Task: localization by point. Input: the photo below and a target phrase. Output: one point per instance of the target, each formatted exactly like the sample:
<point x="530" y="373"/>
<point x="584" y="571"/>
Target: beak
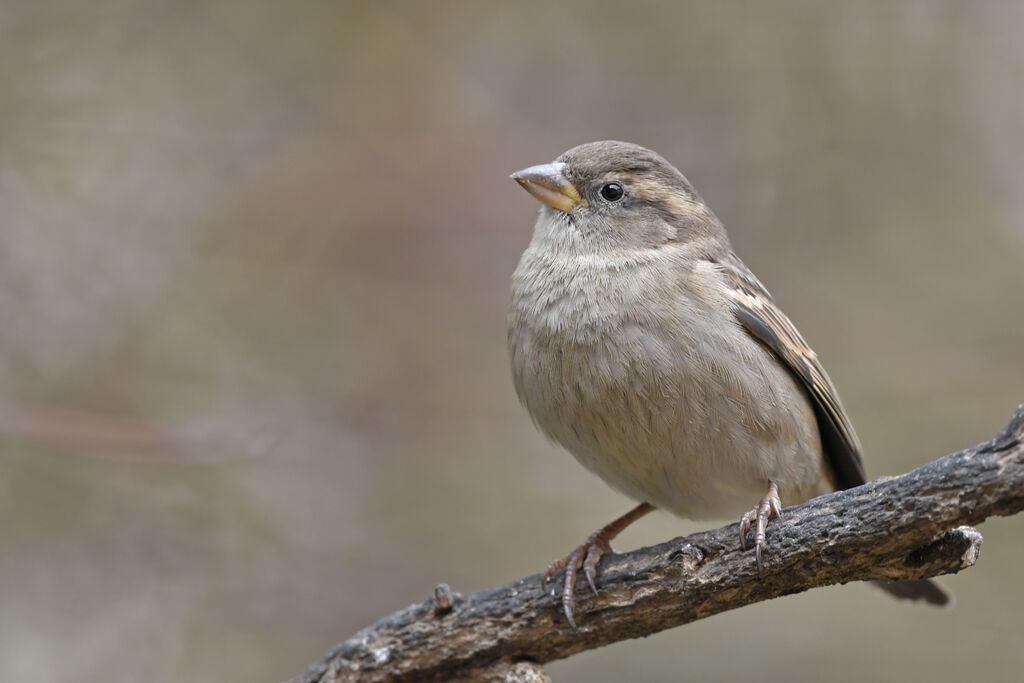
<point x="549" y="185"/>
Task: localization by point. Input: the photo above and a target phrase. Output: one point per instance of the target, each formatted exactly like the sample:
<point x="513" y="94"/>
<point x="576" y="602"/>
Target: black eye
<point x="612" y="192"/>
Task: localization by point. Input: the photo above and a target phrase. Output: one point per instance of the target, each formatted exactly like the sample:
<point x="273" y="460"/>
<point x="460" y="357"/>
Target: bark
<point x="906" y="527"/>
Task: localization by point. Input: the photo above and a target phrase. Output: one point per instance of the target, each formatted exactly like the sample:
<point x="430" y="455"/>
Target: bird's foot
<point x="586" y="558"/>
<point x="769" y="505"/>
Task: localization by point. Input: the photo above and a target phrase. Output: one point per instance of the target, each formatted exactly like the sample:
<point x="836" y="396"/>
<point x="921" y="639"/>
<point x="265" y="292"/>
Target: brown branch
<point x="902" y="527"/>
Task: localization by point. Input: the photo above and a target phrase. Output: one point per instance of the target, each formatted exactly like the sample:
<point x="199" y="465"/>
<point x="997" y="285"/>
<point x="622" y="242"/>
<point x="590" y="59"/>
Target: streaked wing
<point x="757" y="312"/>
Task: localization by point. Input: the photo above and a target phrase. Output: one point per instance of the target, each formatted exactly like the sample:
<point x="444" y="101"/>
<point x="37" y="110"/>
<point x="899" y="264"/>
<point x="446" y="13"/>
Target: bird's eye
<point x="612" y="192"/>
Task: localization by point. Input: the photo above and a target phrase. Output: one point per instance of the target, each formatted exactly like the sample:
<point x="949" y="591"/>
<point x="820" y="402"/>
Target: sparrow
<point x="646" y="348"/>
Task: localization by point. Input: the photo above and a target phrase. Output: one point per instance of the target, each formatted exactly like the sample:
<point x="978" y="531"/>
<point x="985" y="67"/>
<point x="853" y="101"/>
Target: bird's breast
<point x="651" y="386"/>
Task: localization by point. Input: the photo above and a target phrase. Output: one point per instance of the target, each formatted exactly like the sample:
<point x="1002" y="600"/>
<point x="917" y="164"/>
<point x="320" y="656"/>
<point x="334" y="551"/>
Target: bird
<point x="642" y="344"/>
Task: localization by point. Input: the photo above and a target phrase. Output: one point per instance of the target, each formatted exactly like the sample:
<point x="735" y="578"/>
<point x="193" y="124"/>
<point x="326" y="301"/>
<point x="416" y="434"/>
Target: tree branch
<point x="904" y="527"/>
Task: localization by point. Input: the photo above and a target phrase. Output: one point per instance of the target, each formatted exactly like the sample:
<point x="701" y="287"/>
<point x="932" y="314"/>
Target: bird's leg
<point x="587" y="556"/>
<point x="769" y="505"/>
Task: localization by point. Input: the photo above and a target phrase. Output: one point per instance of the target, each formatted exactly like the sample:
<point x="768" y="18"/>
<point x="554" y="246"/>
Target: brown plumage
<point x="642" y="344"/>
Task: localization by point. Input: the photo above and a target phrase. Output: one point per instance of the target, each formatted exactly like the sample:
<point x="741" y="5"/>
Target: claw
<point x="769" y="505"/>
<point x="587" y="557"/>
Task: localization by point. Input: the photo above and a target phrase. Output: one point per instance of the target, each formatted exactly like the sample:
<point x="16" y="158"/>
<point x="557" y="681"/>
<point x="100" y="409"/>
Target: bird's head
<point x="606" y="196"/>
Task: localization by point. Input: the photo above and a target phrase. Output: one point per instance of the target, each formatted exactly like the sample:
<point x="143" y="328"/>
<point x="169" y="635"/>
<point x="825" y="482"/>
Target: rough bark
<point x="905" y="527"/>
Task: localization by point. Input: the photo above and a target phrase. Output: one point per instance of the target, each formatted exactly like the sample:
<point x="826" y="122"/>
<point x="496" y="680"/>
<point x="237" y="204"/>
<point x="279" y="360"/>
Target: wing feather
<point x="761" y="317"/>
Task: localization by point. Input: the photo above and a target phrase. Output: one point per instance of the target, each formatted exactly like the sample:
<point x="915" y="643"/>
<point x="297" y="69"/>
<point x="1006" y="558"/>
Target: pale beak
<point x="548" y="184"/>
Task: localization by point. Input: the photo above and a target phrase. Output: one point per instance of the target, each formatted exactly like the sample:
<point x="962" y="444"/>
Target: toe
<point x="745" y="521"/>
<point x="585" y="558"/>
<point x="769" y="506"/>
<point x="573" y="563"/>
<point x="551" y="571"/>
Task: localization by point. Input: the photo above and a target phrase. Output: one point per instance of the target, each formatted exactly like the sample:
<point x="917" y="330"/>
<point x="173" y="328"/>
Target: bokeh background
<point x="254" y="260"/>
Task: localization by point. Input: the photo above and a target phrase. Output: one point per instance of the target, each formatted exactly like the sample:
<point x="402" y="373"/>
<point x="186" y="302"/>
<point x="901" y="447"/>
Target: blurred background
<point x="254" y="262"/>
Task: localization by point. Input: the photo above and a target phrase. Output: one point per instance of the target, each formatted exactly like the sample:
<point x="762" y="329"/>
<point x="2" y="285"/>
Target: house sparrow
<point x="642" y="344"/>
